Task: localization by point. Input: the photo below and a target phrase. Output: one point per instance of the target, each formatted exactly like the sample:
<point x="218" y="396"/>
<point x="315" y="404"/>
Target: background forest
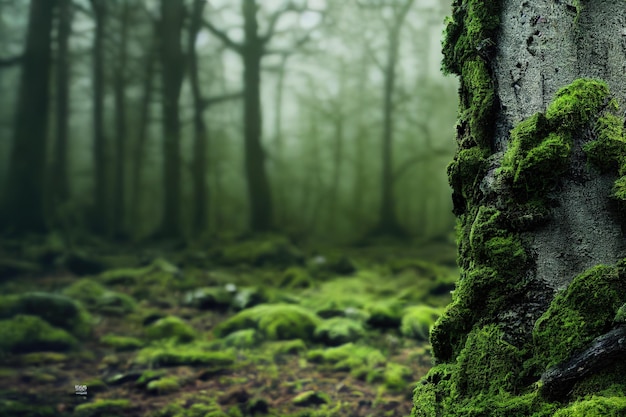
<point x="132" y="119"/>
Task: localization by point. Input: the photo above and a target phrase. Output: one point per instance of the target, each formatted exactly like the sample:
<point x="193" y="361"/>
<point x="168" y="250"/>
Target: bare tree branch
<point x="221" y="35"/>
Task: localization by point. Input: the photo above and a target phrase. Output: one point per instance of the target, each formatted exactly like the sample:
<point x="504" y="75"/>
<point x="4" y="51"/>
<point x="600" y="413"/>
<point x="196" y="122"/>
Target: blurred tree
<point x="252" y="50"/>
<point x="172" y="66"/>
<point x="24" y="211"/>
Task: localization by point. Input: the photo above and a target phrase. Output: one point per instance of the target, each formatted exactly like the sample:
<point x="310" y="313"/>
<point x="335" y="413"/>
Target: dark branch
<point x="208" y="102"/>
<point x="605" y="350"/>
<point x="221" y="35"/>
<point x="8" y="62"/>
<point x="297" y="44"/>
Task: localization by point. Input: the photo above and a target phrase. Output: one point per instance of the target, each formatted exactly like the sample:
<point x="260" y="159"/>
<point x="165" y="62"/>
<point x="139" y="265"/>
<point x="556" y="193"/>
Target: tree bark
<point x="172" y="15"/>
<point x="24" y="203"/>
<point x="100" y="220"/>
<point x="539" y="196"/>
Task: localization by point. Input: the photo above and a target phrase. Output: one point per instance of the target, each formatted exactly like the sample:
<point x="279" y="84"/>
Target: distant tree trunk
<point x="25" y="211"/>
<point x="172" y="15"/>
<point x="536" y="326"/>
<point x="338" y="157"/>
<point x="119" y="194"/>
<point x="60" y="164"/>
<point x="101" y="220"/>
<point x="200" y="140"/>
<point x="388" y="220"/>
<point x="142" y="134"/>
<point x="278" y="156"/>
<point x="259" y="194"/>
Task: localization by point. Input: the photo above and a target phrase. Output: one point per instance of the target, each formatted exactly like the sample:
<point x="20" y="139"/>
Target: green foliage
<point x="338" y="330"/>
<point x="22" y="334"/>
<point x="97" y="298"/>
<point x="358" y="359"/>
<point x="396" y="377"/>
<point x="595" y="406"/>
<point x="165" y="385"/>
<point x="273" y="321"/>
<point x="242" y="339"/>
<point x="296" y="277"/>
<point x="608" y="151"/>
<point x="173" y="328"/>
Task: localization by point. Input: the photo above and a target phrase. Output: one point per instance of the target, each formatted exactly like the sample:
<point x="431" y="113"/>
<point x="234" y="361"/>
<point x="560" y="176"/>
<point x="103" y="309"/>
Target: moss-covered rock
<point x="58" y="310"/>
<point x="359" y="360"/>
<point x="242" y="339"/>
<point x="417" y="321"/>
<point x="173" y="328"/>
<point x="165" y="385"/>
<point x="22" y="334"/>
<point x="98" y="299"/>
<point x="260" y="251"/>
<point x="211" y="298"/>
<point x="338" y="331"/>
<point x="273" y="322"/>
<point x="249" y="297"/>
<point x="385" y="314"/>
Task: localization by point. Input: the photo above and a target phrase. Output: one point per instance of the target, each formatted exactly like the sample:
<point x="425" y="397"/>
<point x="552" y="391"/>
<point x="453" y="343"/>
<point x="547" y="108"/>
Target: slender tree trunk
<point x="337" y="169"/>
<point x="200" y="140"/>
<point x="172" y="14"/>
<point x="536" y="327"/>
<point x="100" y="220"/>
<point x="24" y="211"/>
<point x="119" y="194"/>
<point x="60" y="171"/>
<point x="278" y="157"/>
<point x="144" y="123"/>
<point x="259" y="194"/>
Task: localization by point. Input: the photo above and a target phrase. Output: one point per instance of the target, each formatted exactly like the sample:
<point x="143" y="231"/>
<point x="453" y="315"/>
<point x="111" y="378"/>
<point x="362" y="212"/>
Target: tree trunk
<point x="541" y="208"/>
<point x="144" y="122"/>
<point x="100" y="220"/>
<point x="172" y="14"/>
<point x="60" y="171"/>
<point x="119" y="194"/>
<point x="259" y="194"/>
<point x="200" y="145"/>
<point x="280" y="211"/>
<point x="24" y="205"/>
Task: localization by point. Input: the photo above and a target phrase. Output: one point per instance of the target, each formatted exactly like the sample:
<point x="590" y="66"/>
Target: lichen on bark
<point x="506" y="326"/>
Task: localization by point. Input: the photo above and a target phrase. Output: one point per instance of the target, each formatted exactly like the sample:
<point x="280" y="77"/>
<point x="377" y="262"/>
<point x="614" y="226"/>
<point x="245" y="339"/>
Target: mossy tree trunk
<point x="539" y="192"/>
<point x="24" y="211"/>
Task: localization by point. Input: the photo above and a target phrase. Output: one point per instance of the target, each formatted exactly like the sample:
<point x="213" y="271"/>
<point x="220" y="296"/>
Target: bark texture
<point x="539" y="188"/>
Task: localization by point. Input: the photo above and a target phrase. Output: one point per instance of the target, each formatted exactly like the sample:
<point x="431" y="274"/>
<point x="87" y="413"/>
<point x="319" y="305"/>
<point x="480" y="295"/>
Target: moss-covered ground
<point x="237" y="328"/>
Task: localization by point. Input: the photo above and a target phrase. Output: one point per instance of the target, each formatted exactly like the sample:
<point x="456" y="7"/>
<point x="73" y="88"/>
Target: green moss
<point x="102" y="408"/>
<point x="579" y="314"/>
<point x="179" y="356"/>
<point x="595" y="406"/>
<point x="396" y="377"/>
<point x="249" y="297"/>
<point x="358" y="359"/>
<point x="607" y="152"/>
<point x="481" y="100"/>
<point x="417" y="321"/>
<point x="311" y="397"/>
<point x="296" y="277"/>
<point x="173" y="328"/>
<point x="286" y="347"/>
<point x="99" y="299"/>
<point x="242" y="339"/>
<point x="210" y="298"/>
<point x="165" y="385"/>
<point x="338" y="330"/>
<point x="273" y="321"/>
<point x="121" y="343"/>
<point x="619" y="189"/>
<point x="22" y="334"/>
<point x="575" y="104"/>
<point x="260" y="251"/>
<point x="386" y="314"/>
<point x="466" y="171"/>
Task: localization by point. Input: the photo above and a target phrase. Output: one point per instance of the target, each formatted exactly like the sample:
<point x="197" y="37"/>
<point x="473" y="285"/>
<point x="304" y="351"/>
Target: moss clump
<point x="121" y="343"/>
<point x="308" y="398"/>
<point x="361" y="361"/>
<point x="165" y="385"/>
<point x="396" y="377"/>
<point x="286" y="347"/>
<point x="338" y="330"/>
<point x="296" y="277"/>
<point x="99" y="299"/>
<point x="177" y="356"/>
<point x="575" y="104"/>
<point x="249" y="297"/>
<point x="417" y="321"/>
<point x="385" y="314"/>
<point x="102" y="408"/>
<point x="173" y="328"/>
<point x="261" y="251"/>
<point x="273" y="321"/>
<point x="22" y="334"/>
<point x="210" y="298"/>
<point x="607" y="152"/>
<point x="466" y="171"/>
<point x="595" y="406"/>
<point x="242" y="339"/>
<point x="583" y="311"/>
<point x="58" y="310"/>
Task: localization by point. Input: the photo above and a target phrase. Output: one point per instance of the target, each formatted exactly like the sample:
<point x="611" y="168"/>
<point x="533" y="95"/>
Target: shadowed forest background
<point x="222" y="208"/>
<point x="132" y="119"/>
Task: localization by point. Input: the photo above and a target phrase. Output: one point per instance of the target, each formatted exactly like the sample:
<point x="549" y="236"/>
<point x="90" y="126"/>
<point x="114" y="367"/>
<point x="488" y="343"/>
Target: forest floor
<point x="245" y="328"/>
